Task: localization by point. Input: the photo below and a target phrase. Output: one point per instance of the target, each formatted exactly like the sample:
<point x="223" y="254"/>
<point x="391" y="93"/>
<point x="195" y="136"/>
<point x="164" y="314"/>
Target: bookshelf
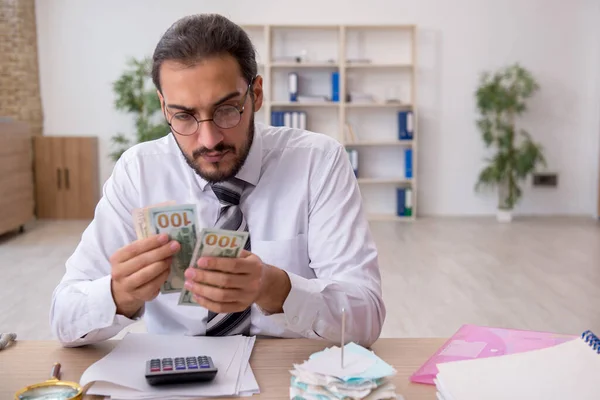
<point x="376" y="66"/>
<point x="379" y="105"/>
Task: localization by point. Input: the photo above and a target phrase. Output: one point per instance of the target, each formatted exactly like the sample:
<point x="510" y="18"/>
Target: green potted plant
<point x="136" y="94"/>
<point x="501" y="99"/>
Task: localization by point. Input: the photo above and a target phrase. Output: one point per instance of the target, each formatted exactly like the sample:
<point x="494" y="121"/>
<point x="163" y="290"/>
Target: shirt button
<point x="295" y="320"/>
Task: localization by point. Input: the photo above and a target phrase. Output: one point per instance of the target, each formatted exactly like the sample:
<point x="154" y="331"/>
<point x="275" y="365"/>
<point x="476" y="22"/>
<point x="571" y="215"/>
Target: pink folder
<point x="472" y="341"/>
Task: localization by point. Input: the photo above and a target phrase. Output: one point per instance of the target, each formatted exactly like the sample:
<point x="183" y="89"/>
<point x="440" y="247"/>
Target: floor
<point x="535" y="273"/>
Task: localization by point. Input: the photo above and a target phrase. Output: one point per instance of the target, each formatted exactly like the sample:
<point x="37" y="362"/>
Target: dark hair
<point x="199" y="36"/>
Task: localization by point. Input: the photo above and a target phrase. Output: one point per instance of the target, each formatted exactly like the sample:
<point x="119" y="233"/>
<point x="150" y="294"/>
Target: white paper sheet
<point x="120" y="374"/>
<point x="568" y="370"/>
<point x="329" y="363"/>
<point x="248" y="388"/>
<point x="246" y="361"/>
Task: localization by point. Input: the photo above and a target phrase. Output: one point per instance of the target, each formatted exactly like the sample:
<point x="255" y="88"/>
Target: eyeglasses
<point x="225" y="116"/>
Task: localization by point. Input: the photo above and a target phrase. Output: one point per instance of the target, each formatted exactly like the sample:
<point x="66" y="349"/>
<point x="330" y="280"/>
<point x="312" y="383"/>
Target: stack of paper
<point x="566" y="371"/>
<point x="363" y="375"/>
<point x="121" y="373"/>
<point x="472" y="342"/>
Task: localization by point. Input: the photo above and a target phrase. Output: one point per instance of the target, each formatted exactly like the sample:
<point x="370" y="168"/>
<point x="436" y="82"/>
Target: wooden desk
<point x="28" y="362"/>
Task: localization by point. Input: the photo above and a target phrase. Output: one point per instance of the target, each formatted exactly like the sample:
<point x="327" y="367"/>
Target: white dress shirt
<point x="305" y="216"/>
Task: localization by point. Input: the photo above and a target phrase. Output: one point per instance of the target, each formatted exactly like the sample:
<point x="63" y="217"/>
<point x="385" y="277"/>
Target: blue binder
<point x="277" y="118"/>
<point x="405" y="125"/>
<point x="353" y="155"/>
<point x="335" y="86"/>
<point x="400" y="202"/>
<point x="408" y="171"/>
<point x="274" y="118"/>
<point x="293" y="86"/>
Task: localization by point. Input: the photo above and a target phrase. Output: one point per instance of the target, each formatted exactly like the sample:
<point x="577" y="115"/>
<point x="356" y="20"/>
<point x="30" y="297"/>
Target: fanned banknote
<point x="140" y="219"/>
<point x="214" y="243"/>
<point x="180" y="223"/>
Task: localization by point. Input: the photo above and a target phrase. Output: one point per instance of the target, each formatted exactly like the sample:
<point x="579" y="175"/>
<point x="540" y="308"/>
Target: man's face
<point x="215" y="153"/>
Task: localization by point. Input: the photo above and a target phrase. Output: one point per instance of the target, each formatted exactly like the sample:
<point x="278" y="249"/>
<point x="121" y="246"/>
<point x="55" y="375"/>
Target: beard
<point x="221" y="171"/>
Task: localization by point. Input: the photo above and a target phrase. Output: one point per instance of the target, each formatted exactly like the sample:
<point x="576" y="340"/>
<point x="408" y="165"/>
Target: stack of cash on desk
<point x="363" y="375"/>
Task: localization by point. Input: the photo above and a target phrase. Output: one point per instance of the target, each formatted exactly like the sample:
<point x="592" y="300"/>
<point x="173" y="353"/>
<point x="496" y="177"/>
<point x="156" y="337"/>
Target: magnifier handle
<point x="55" y="374"/>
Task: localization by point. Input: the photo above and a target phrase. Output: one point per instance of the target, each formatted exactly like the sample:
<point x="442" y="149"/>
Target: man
<point x="311" y="252"/>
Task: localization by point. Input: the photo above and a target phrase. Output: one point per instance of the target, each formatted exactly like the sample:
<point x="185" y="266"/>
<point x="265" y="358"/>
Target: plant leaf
<point x="135" y="94"/>
<point x="500" y="98"/>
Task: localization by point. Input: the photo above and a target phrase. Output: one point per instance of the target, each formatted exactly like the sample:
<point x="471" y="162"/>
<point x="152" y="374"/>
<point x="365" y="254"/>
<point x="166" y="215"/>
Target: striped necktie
<point x="231" y="218"/>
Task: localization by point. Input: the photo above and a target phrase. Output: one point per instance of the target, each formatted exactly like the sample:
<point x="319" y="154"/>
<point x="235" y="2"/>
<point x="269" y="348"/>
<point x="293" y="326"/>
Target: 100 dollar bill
<point x="180" y="223"/>
<point x="214" y="243"/>
<point x="140" y="219"/>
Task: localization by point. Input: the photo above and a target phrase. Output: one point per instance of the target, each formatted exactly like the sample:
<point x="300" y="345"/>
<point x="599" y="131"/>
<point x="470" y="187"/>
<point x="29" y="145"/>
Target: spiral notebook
<point x="569" y="370"/>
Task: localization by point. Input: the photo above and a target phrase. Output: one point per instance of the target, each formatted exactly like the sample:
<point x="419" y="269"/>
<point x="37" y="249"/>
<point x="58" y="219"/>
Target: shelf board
<point x="389" y="217"/>
<point x="297" y="104"/>
<point x="402" y="106"/>
<point x="373" y="143"/>
<point x="329" y="26"/>
<point x="382" y="26"/>
<point x="378" y="65"/>
<point x="306" y="27"/>
<point x="304" y="65"/>
<point x="384" y="180"/>
<point x="252" y="26"/>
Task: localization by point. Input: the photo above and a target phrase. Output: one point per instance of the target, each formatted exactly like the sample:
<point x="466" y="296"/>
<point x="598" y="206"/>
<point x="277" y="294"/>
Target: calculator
<point x="161" y="371"/>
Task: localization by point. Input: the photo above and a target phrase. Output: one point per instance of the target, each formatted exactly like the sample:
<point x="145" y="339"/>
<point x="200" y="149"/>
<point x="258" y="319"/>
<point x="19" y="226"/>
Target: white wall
<point x="83" y="45"/>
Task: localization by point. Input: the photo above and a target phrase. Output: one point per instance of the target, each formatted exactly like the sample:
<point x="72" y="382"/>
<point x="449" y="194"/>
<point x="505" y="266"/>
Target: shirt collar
<point x="250" y="171"/>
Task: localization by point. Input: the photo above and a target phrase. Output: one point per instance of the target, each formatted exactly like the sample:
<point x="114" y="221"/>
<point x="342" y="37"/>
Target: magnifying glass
<point x="52" y="389"/>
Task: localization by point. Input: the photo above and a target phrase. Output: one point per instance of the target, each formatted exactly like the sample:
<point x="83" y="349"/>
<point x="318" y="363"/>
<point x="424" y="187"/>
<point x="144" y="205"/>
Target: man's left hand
<point x="226" y="285"/>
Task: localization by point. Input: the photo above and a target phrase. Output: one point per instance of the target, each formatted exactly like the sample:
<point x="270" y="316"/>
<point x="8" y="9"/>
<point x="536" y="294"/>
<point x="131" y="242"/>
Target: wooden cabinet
<point x="66" y="177"/>
<point x="16" y="177"/>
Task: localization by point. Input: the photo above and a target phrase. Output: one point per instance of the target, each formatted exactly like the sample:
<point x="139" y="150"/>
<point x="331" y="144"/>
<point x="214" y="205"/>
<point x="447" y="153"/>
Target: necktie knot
<point x="229" y="192"/>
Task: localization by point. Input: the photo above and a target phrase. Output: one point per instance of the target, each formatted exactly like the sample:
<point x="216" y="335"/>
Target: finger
<point x="146" y="275"/>
<point x="224" y="264"/>
<point x="214" y="293"/>
<point x="138" y="247"/>
<point x="245" y="254"/>
<point x="151" y="289"/>
<point x="159" y="254"/>
<point x="220" y="307"/>
<point x="216" y="278"/>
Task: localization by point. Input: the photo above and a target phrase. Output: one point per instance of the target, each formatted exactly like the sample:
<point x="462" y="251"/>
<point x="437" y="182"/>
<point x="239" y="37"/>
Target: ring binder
<point x="592" y="340"/>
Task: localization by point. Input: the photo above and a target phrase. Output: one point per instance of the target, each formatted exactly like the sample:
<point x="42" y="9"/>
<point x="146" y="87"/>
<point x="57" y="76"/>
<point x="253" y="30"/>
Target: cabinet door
<point x="80" y="177"/>
<point x="16" y="180"/>
<point x="49" y="181"/>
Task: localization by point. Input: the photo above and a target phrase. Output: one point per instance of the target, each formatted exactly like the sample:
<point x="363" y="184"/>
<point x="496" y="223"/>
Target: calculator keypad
<point x="179" y="364"/>
<point x="154" y="365"/>
<point x="203" y="362"/>
<point x="191" y="363"/>
<point x="167" y="364"/>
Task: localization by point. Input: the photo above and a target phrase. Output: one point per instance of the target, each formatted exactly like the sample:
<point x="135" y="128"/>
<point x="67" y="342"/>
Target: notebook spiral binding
<point x="592" y="340"/>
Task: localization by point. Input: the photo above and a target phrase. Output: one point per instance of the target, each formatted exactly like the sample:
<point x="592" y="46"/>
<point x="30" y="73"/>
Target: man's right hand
<point x="138" y="270"/>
